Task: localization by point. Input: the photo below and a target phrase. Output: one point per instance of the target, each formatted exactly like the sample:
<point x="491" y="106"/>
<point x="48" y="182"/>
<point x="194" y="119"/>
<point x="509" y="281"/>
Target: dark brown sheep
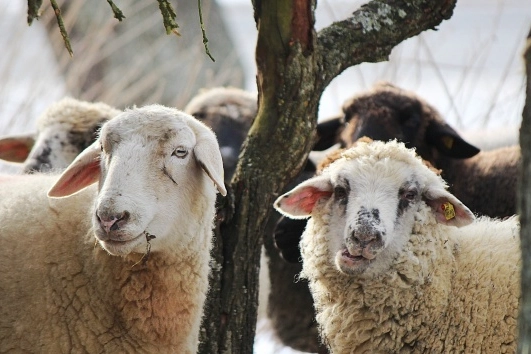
<point x="229" y="111"/>
<point x="388" y="112"/>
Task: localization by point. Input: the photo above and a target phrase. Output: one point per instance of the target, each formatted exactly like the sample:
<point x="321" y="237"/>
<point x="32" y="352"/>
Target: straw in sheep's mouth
<point x="149" y="237"/>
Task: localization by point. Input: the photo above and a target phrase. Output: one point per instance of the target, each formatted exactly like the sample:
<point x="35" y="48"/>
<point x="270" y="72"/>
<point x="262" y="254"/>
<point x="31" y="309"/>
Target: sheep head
<point x="388" y="112"/>
<point x="155" y="167"/>
<point x="64" y="129"/>
<point x="369" y="199"/>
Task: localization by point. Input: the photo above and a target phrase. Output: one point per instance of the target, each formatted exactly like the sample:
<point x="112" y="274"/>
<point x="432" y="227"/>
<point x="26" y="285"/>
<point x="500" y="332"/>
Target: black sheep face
<point x="388" y="112"/>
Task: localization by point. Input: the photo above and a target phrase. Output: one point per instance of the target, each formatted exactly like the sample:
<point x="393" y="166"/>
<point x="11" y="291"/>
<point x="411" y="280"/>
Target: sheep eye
<point x="180" y="152"/>
<point x="340" y="192"/>
<point x="410" y="195"/>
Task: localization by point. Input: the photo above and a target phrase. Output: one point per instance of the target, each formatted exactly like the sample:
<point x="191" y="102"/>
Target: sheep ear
<point x="448" y="209"/>
<point x="82" y="172"/>
<point x="448" y="142"/>
<point x="300" y="201"/>
<point x="16" y="148"/>
<point x="207" y="153"/>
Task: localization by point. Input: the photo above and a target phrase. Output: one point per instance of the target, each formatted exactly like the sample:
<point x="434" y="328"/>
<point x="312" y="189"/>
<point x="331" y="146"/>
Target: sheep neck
<point x="155" y="301"/>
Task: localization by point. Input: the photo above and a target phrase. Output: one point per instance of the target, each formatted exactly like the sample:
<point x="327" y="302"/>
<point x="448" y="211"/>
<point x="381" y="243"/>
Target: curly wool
<point x="81" y="116"/>
<point x="450" y="289"/>
<point x="77" y="298"/>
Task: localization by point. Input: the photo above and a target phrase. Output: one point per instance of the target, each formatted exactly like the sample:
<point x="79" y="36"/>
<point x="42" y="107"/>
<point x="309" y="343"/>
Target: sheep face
<point x="65" y="129"/>
<point x="229" y="112"/>
<point x="57" y="145"/>
<point x="368" y="201"/>
<point x="388" y="112"/>
<point x="149" y="158"/>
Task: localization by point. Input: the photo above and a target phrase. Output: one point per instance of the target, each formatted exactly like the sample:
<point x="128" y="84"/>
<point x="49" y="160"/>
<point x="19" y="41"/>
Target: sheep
<point x="229" y="111"/>
<point x="388" y="112"/>
<point x="384" y="113"/>
<point x="141" y="288"/>
<point x="64" y="129"/>
<point x="398" y="264"/>
<point x="493" y="138"/>
<point x="289" y="319"/>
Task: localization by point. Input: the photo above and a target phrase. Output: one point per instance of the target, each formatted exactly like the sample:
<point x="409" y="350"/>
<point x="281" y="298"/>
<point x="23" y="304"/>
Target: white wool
<point x="390" y="273"/>
<point x="70" y="286"/>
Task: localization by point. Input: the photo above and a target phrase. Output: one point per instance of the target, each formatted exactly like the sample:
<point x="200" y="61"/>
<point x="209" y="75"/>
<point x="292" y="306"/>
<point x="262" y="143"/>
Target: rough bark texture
<point x="294" y="67"/>
<point x="524" y="209"/>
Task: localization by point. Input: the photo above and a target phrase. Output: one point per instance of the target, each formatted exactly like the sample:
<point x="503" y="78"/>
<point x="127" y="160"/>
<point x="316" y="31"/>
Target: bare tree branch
<point x="168" y="17"/>
<point x="375" y="29"/>
<point x="294" y="68"/>
<point x="33" y="10"/>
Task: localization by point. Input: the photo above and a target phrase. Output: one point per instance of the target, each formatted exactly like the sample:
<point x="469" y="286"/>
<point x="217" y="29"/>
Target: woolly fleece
<point x="449" y="290"/>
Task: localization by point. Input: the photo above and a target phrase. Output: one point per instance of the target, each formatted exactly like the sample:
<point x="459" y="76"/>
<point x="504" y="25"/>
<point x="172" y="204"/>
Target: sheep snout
<point x="112" y="222"/>
<point x="365" y="244"/>
<point x="362" y="244"/>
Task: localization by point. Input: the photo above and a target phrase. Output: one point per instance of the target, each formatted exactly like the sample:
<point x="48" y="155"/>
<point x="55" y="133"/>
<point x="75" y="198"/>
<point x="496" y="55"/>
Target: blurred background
<point x="470" y="69"/>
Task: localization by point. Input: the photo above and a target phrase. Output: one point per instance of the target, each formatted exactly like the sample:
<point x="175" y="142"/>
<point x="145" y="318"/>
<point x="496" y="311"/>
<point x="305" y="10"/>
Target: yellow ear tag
<point x="448" y="141"/>
<point x="449" y="211"/>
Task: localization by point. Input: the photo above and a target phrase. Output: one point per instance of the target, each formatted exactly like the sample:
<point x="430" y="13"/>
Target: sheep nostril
<point x="364" y="238"/>
<point x="112" y="222"/>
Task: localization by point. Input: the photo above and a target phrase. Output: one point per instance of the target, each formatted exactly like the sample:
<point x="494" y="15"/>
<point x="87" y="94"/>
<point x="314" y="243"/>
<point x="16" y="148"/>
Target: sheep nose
<point x="112" y="222"/>
<point x="365" y="237"/>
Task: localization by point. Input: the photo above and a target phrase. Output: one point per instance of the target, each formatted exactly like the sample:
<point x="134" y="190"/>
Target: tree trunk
<point x="524" y="210"/>
<point x="295" y="64"/>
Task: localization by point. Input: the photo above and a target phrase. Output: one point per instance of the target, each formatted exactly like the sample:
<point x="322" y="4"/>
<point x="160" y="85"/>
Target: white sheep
<point x="392" y="266"/>
<point x="64" y="129"/>
<point x="143" y="289"/>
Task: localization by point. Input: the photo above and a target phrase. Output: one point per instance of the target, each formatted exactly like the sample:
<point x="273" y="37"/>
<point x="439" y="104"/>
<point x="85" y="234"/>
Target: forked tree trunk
<point x="295" y="64"/>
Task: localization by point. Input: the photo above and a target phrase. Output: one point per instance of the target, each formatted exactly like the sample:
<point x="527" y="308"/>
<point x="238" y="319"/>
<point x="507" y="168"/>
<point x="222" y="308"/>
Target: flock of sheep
<point x="107" y="235"/>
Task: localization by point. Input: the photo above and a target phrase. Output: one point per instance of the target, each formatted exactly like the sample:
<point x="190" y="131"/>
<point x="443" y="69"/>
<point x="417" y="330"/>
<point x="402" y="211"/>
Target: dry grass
<point x="134" y="61"/>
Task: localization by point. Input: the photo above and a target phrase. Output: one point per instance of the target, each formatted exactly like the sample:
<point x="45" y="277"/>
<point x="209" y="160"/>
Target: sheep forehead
<point x="151" y="124"/>
<point x="222" y="96"/>
<point x="374" y="166"/>
<point x="364" y="152"/>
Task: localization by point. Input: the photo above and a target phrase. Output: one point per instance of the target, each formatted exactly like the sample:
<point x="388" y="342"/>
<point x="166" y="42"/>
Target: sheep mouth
<point x="363" y="255"/>
<point x="356" y="259"/>
<point x="119" y="241"/>
<point x="121" y="246"/>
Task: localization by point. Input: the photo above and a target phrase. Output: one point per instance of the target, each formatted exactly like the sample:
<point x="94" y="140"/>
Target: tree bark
<point x="295" y="64"/>
<point x="524" y="210"/>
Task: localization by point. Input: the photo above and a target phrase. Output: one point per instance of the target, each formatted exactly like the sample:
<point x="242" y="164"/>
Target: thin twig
<point x="118" y="14"/>
<point x="145" y="257"/>
<point x="33" y="10"/>
<point x="168" y="17"/>
<point x="203" y="32"/>
<point x="62" y="28"/>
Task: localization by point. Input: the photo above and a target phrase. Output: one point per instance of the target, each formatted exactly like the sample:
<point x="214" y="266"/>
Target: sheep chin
<point x="350" y="264"/>
<point x="123" y="248"/>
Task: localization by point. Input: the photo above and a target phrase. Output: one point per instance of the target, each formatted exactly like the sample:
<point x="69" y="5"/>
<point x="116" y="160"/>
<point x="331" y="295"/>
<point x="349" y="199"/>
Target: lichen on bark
<point x="295" y="65"/>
